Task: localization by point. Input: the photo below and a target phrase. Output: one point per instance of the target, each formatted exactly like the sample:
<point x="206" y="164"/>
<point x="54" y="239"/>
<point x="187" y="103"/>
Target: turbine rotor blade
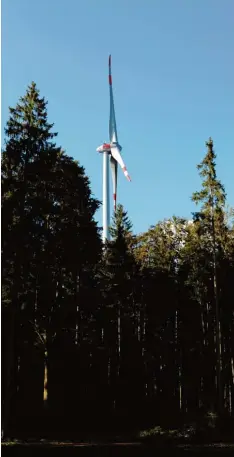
<point x="114" y="171"/>
<point x="112" y="121"/>
<point x="115" y="152"/>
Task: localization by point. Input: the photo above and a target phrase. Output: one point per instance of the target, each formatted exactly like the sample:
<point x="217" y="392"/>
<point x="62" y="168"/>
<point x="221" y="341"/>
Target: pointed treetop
<point x="120" y="222"/>
<point x="29" y="114"/>
<point x="211" y="198"/>
<point x="212" y="189"/>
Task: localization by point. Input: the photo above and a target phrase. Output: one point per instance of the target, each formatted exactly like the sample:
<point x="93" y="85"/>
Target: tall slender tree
<point x="50" y="244"/>
<point x="28" y="154"/>
<point x="213" y="231"/>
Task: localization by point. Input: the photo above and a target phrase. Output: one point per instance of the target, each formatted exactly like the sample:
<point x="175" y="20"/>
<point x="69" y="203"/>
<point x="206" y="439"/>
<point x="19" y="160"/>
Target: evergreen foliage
<point x="137" y="334"/>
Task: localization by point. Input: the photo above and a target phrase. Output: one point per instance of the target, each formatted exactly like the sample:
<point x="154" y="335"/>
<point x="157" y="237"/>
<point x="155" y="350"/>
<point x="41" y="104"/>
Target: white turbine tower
<point x="111" y="152"/>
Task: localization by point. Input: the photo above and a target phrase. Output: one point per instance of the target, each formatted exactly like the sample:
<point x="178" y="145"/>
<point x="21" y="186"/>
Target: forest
<point x="130" y="335"/>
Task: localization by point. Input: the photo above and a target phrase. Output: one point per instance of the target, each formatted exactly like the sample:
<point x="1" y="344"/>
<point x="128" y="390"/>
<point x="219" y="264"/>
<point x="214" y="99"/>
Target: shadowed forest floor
<point x="159" y="441"/>
<point x="62" y="449"/>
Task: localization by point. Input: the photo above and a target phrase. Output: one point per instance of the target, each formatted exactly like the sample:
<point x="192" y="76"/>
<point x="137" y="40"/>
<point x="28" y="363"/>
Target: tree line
<point x="137" y="332"/>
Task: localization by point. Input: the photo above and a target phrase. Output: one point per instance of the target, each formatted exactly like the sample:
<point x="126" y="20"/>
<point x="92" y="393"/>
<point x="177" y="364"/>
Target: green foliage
<point x="160" y="246"/>
<point x="51" y="243"/>
<point x="130" y="330"/>
<point x="212" y="198"/>
<point x="120" y="223"/>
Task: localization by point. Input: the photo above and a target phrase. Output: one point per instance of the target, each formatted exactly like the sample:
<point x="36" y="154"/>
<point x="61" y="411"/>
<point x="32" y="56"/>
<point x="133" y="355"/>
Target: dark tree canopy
<point x="133" y="334"/>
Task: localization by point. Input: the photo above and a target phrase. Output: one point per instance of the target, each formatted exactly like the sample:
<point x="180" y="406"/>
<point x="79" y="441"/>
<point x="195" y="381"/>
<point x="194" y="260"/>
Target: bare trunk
<point x="231" y="395"/>
<point x="45" y="382"/>
<point x="232" y="366"/>
<point x="78" y="311"/>
<point x="119" y="332"/>
<point x="45" y="377"/>
<point x="8" y="372"/>
<point x="218" y="330"/>
<point x="118" y="328"/>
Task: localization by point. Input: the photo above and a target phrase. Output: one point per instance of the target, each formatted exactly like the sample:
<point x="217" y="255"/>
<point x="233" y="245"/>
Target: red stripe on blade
<point x="110" y="80"/>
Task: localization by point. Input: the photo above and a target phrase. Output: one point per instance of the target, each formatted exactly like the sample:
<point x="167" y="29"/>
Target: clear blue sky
<point x="173" y="79"/>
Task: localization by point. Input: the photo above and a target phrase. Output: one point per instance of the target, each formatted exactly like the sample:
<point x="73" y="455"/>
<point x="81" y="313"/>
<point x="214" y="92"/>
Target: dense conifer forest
<point x="132" y="335"/>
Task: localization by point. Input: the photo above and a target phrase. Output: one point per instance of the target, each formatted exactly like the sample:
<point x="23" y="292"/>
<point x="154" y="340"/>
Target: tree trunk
<point x="45" y="382"/>
<point x="8" y="375"/>
<point x="217" y="316"/>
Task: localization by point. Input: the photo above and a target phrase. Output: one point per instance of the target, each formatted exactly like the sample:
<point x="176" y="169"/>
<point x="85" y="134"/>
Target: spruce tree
<point x="29" y="154"/>
<point x="120" y="222"/>
<point x="51" y="243"/>
<point x="212" y="231"/>
<point x="119" y="288"/>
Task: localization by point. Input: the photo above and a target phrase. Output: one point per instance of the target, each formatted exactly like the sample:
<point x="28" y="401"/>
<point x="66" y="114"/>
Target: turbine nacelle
<point x="106" y="147"/>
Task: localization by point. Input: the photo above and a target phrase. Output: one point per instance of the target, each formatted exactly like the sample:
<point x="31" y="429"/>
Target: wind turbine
<point x="111" y="154"/>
